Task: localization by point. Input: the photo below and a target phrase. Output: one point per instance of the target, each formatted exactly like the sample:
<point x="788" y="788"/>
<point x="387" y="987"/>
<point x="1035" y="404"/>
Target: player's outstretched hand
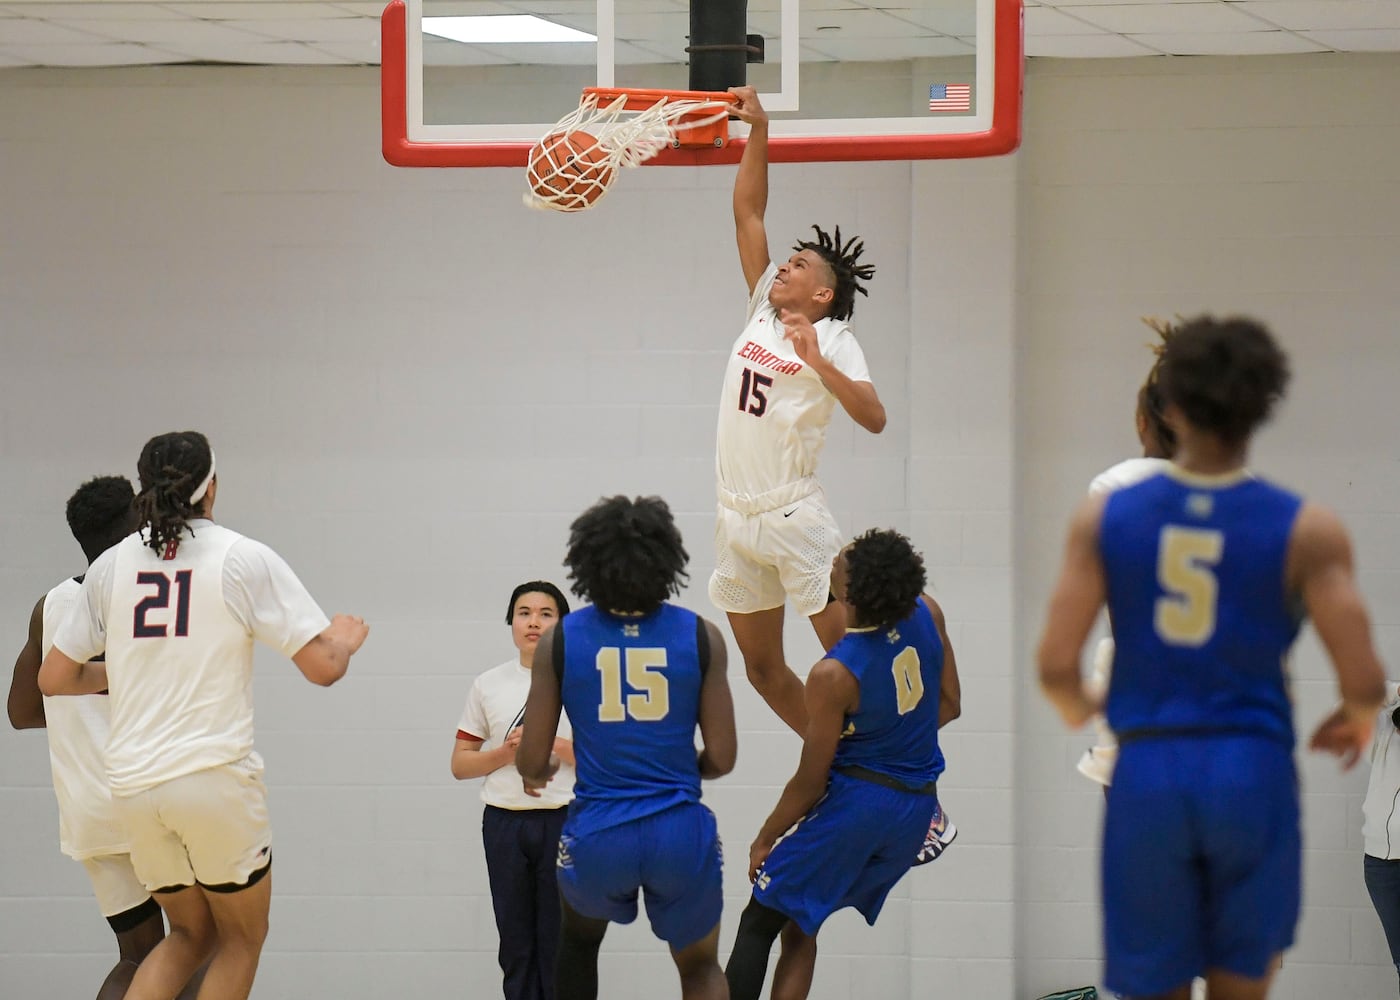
<point x="533" y="788"/>
<point x="799" y="331"/>
<point x="1344" y="734"/>
<point x="351" y="630"/>
<point x="748" y="109"/>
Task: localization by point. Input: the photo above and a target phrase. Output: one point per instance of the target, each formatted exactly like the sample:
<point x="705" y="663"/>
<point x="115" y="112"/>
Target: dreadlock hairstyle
<point x="561" y="603"/>
<point x="1152" y="405"/>
<point x="171" y="468"/>
<point x="884" y="577"/>
<point x="841" y="258"/>
<point x="626" y="555"/>
<point x="1223" y="375"/>
<point x="100" y="514"/>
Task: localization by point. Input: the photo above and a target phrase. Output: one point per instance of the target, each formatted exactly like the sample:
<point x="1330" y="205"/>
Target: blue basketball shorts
<point x="1202" y="860"/>
<point x="673" y="858"/>
<point x="849" y="850"/>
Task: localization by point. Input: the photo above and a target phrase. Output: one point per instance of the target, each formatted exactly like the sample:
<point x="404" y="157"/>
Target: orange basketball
<point x="569" y="171"/>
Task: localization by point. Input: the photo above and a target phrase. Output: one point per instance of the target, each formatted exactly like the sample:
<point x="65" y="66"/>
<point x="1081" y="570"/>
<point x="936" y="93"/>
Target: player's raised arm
<point x="716" y="716"/>
<point x="534" y="758"/>
<point x="1075" y="605"/>
<point x="751" y="187"/>
<point x="1322" y="571"/>
<point x="26" y="702"/>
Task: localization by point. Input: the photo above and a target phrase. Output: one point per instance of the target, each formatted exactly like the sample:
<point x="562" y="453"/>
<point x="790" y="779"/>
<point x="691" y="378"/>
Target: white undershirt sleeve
<point x="849" y="359"/>
<point x="474" y="721"/>
<point x="267" y="599"/>
<point x="83" y="634"/>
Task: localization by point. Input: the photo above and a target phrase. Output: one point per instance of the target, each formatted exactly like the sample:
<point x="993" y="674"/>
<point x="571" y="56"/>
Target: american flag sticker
<point x="950" y="97"/>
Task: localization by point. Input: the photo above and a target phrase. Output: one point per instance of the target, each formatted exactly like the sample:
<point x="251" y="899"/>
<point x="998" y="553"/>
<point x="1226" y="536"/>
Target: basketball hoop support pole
<point x="718" y="44"/>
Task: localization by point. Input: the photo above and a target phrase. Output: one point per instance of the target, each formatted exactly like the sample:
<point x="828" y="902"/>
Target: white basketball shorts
<point x="114" y="883"/>
<point x="209" y="827"/>
<point x="763" y="560"/>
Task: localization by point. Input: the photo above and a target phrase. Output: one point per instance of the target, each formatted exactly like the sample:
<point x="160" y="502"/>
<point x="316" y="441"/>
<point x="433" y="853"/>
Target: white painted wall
<point x="414" y="383"/>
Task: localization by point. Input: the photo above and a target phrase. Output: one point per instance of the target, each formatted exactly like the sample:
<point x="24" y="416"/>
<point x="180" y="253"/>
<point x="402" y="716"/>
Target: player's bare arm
<point x="470" y="761"/>
<point x="1321" y="571"/>
<point x="858" y="399"/>
<point x="950" y="688"/>
<point x="535" y="758"/>
<point x="61" y="674"/>
<point x="26" y="701"/>
<point x="751" y="187"/>
<point x="832" y="692"/>
<point x="1079" y="594"/>
<point x="718" y="733"/>
<point x="325" y="658"/>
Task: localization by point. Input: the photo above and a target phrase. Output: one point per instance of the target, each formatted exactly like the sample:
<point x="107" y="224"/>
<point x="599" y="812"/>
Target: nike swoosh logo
<point x="792" y="512"/>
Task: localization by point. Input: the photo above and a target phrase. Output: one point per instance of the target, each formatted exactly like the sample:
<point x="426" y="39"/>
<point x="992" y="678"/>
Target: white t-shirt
<point x="77" y="730"/>
<point x="1380" y="812"/>
<point x="495" y="706"/>
<point x="773" y="409"/>
<point x="178" y="634"/>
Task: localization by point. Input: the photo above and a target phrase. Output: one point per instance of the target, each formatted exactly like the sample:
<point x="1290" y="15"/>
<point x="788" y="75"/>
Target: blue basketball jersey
<point x="900" y="671"/>
<point x="1202" y="622"/>
<point x="631" y="688"/>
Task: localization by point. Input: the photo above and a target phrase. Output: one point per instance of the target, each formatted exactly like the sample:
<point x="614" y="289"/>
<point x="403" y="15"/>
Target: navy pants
<point x="521" y="849"/>
<point x="1383" y="883"/>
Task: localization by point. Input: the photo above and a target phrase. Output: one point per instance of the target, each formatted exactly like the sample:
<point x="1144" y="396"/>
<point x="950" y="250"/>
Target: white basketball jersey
<point x="179" y="664"/>
<point x="773" y="409"/>
<point x="77" y="731"/>
<point x="1126" y="473"/>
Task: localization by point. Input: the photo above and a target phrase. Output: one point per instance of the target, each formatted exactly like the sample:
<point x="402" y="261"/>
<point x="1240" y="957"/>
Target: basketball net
<point x="621" y="138"/>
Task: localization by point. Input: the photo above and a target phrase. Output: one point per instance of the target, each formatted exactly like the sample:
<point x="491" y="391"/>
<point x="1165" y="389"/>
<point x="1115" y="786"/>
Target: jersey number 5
<point x="161" y="600"/>
<point x="652" y="699"/>
<point x="908" y="681"/>
<point x="752" y="384"/>
<point x="1186" y="560"/>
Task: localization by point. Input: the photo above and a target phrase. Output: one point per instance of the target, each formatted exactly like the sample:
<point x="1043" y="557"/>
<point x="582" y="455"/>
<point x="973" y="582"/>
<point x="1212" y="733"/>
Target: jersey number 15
<point x="651" y="697"/>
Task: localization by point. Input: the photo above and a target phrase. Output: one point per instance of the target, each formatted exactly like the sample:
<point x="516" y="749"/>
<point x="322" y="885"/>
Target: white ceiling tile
<point x="447" y="53"/>
<point x="101" y="54"/>
<point x="1049" y="21"/>
<point x="1370" y="40"/>
<point x="185" y="32"/>
<point x="67" y="11"/>
<point x="1329" y="14"/>
<point x="879" y="49"/>
<point x="367" y="53"/>
<point x="1250" y="43"/>
<point x="950" y="19"/>
<point x="326" y="29"/>
<point x="1165" y="18"/>
<point x="16" y="31"/>
<point x="221" y="11"/>
<point x="14" y="60"/>
<point x="1087" y="47"/>
<point x="267" y="53"/>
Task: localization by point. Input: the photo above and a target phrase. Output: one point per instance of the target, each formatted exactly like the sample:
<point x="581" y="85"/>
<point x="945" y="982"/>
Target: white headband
<point x="203" y="487"/>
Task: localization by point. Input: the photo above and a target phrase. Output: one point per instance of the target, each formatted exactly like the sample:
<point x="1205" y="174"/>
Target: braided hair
<point x="626" y="555"/>
<point x="841" y="258"/>
<point x="171" y="468"/>
<point x="884" y="577"/>
<point x="1152" y="405"/>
